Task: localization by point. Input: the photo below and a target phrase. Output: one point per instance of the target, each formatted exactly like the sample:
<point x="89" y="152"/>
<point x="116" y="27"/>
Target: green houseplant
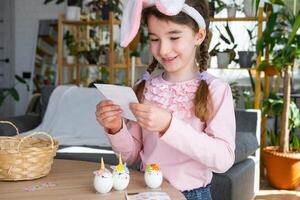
<point x="72" y="47"/>
<point x="4" y="93"/>
<point x="281" y="36"/>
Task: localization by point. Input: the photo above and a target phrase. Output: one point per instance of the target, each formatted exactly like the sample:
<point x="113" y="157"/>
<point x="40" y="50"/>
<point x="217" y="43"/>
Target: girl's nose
<point x="164" y="48"/>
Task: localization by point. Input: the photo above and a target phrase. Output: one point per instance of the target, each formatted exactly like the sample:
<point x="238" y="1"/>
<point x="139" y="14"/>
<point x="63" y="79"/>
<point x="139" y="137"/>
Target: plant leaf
<point x="223" y="37"/>
<point x="295" y="28"/>
<point x="229" y="32"/>
<point x="2" y="97"/>
<point x="20" y="79"/>
<point x="262" y="66"/>
<point x="47" y="1"/>
<point x="278" y="2"/>
<point x="14" y="93"/>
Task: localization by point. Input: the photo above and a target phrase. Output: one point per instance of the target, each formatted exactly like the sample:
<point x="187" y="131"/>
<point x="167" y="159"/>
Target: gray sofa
<point x="240" y="182"/>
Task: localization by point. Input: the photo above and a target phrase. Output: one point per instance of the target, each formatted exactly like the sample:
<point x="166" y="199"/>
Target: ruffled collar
<point x="176" y="97"/>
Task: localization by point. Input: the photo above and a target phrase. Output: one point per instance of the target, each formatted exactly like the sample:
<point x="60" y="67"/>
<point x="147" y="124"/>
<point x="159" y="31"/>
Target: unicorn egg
<point x="120" y="176"/>
<point x="103" y="181"/>
<point x="153" y="176"/>
<point x="120" y="180"/>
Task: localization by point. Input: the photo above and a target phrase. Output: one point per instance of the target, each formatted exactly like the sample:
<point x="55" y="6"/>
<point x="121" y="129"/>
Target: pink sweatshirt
<point x="190" y="150"/>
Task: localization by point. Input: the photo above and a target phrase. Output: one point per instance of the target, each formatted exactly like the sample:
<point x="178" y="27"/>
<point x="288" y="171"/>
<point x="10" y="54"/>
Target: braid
<point x="202" y="55"/>
<point x="202" y="97"/>
<point x="139" y="88"/>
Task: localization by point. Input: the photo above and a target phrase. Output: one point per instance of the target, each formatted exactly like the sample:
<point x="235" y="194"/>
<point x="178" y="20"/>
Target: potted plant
<point x="90" y="48"/>
<point x="73" y="8"/>
<point x="281" y="36"/>
<point x="104" y="7"/>
<point x="72" y="47"/>
<point x="224" y="55"/>
<point x="249" y="8"/>
<point x="232" y="7"/>
<point x="246" y="58"/>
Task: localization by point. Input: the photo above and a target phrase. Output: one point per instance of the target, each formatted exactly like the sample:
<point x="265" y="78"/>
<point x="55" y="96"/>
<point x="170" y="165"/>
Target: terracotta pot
<point x="271" y="71"/>
<point x="283" y="169"/>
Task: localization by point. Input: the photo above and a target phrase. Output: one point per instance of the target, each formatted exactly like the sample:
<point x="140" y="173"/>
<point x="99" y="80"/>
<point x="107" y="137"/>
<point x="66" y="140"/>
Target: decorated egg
<point x="153" y="176"/>
<point x="120" y="175"/>
<point x="103" y="180"/>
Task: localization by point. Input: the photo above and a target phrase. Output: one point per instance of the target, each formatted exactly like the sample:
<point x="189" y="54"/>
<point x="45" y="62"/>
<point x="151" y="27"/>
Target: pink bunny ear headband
<point x="133" y="10"/>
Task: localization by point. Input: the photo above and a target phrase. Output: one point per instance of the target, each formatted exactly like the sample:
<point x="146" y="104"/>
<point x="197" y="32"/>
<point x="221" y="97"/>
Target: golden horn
<point x="102" y="166"/>
<point x="120" y="159"/>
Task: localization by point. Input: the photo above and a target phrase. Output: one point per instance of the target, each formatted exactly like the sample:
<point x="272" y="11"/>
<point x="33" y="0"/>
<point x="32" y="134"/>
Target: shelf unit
<point x="259" y="19"/>
<point x="111" y="65"/>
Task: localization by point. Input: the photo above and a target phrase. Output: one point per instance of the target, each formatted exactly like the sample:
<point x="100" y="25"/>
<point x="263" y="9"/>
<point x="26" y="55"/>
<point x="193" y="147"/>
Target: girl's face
<point x="174" y="46"/>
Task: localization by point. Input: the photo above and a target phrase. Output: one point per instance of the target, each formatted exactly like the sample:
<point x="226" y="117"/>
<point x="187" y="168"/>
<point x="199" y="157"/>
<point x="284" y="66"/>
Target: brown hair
<point x="202" y="97"/>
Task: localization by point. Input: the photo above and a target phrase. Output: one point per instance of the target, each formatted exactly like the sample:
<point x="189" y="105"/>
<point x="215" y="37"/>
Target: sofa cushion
<point x="246" y="145"/>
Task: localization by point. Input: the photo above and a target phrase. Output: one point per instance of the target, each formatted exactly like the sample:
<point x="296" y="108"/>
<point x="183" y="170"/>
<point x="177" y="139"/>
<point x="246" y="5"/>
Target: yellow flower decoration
<point x="120" y="168"/>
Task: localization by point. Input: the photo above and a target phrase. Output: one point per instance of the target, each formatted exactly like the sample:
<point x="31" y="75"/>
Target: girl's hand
<point x="151" y="117"/>
<point x="108" y="115"/>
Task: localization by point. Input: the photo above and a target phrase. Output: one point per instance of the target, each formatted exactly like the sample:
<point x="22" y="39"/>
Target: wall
<point x="27" y="15"/>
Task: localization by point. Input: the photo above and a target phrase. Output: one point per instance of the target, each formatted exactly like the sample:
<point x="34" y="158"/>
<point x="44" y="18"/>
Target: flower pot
<point x="271" y="70"/>
<point x="223" y="59"/>
<point x="283" y="169"/>
<point x="249" y="8"/>
<point x="70" y="59"/>
<point x="246" y="59"/>
<point x="231" y="11"/>
<point x="73" y="13"/>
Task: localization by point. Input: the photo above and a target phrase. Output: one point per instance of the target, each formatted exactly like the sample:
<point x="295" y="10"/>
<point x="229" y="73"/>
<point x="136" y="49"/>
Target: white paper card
<point x="148" y="196"/>
<point x="120" y="95"/>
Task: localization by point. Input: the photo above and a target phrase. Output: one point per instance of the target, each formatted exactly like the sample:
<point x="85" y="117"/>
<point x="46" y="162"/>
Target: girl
<point x="185" y="121"/>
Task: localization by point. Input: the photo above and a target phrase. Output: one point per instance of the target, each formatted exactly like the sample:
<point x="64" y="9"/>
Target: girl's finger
<point x="110" y="114"/>
<point x="109" y="119"/>
<point x="109" y="108"/>
<point x="140" y="114"/>
<point x="139" y="107"/>
<point x="104" y="103"/>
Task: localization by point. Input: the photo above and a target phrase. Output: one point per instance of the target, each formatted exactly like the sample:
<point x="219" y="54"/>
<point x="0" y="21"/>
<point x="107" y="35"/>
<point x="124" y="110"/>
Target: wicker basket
<point x="26" y="158"/>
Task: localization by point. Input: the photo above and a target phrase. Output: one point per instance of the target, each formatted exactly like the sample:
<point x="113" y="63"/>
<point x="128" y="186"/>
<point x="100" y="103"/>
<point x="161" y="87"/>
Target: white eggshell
<point x="153" y="179"/>
<point x="103" y="184"/>
<point x="120" y="180"/>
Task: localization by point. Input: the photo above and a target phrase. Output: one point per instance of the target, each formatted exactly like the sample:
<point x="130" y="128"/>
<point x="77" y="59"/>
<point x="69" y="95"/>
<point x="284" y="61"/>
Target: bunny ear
<point x="131" y="21"/>
<point x="169" y="7"/>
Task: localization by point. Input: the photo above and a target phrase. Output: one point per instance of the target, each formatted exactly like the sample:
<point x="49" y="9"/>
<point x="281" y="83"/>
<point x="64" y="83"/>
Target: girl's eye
<point x="153" y="40"/>
<point x="174" y="38"/>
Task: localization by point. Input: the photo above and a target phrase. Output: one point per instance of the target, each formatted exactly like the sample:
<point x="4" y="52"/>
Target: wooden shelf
<point x="117" y="65"/>
<point x="91" y="23"/>
<point x="236" y="19"/>
<point x="111" y="65"/>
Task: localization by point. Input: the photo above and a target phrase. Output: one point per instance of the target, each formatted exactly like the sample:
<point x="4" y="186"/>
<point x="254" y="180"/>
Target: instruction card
<point x="120" y="95"/>
<point x="148" y="196"/>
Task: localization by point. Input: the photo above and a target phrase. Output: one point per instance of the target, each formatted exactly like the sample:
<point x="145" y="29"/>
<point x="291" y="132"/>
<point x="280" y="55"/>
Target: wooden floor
<point x="268" y="193"/>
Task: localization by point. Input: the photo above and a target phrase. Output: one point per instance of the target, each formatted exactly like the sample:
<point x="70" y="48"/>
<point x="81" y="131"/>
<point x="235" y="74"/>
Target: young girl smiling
<point x="185" y="121"/>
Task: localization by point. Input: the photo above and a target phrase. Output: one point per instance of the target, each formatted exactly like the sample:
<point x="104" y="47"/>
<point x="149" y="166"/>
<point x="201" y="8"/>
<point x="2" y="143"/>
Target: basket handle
<point x="10" y="123"/>
<point x="36" y="133"/>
